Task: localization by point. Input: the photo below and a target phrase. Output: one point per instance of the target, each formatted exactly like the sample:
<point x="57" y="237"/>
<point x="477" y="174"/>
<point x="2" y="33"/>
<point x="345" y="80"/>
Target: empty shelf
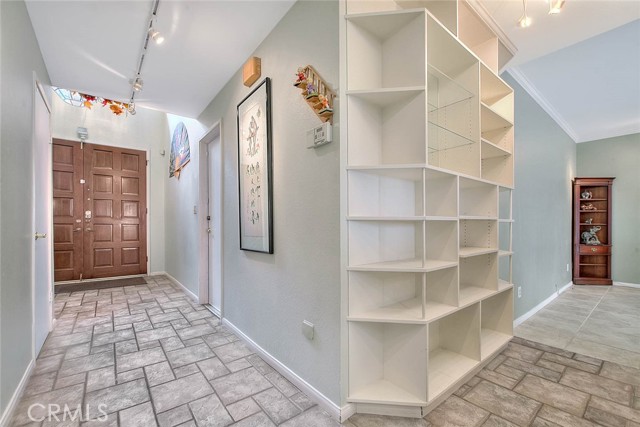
<point x="489" y="150"/>
<point x="448" y="91"/>
<point x="471" y="294"/>
<point x="491" y="341"/>
<point x="409" y="265"/>
<point x="385" y="392"/>
<point x="445" y="368"/>
<point x="505" y="253"/>
<point x="435" y="310"/>
<point x="492" y="120"/>
<point x="467" y="252"/>
<point x="385" y="218"/>
<point x="386" y="97"/>
<point x="440" y="138"/>
<point x="409" y="311"/>
<point x="503" y="285"/>
<point x="436" y="264"/>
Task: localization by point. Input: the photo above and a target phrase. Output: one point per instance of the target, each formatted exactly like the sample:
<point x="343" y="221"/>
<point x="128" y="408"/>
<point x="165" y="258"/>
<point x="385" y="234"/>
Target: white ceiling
<point x="94" y="46"/>
<point x="582" y="65"/>
<point x="578" y="67"/>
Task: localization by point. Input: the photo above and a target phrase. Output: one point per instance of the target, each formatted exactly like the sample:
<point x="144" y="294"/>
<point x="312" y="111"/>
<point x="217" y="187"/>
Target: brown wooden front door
<point x="112" y="213"/>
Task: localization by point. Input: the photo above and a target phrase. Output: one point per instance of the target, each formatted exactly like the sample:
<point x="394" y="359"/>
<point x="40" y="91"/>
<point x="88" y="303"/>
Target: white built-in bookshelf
<point x="429" y="137"/>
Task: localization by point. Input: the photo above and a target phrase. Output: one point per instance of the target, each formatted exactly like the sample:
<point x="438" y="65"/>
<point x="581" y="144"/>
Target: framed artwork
<point x="254" y="170"/>
<point x="180" y="150"/>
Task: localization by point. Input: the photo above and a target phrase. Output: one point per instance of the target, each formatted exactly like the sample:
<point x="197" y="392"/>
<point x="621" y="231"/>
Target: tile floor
<point x="152" y="357"/>
<point x="597" y="321"/>
<point x="155" y="358"/>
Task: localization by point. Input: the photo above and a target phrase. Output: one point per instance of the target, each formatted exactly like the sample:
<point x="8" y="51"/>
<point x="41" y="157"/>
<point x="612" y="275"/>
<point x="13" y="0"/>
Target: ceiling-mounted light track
<point x="151" y="34"/>
<point x="525" y="20"/>
<point x="555" y="6"/>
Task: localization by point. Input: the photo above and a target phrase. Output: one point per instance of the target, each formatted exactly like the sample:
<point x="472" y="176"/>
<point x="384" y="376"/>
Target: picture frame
<point x="255" y="178"/>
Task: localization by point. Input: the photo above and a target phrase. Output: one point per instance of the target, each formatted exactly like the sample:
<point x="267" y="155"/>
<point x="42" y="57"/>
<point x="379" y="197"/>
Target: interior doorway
<point x="211" y="289"/>
<point x="42" y="249"/>
<point x="99" y="211"/>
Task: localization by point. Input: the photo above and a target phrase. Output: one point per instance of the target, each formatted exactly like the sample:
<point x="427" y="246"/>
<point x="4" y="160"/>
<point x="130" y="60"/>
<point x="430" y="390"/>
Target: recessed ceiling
<point x="94" y="46"/>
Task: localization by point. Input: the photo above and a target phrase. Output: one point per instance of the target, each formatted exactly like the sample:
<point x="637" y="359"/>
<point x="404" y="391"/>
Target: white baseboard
<point x="8" y="412"/>
<point x="540" y="306"/>
<point x="627" y="285"/>
<point x="348" y="411"/>
<point x="312" y="393"/>
<point x="214" y="310"/>
<point x="180" y="285"/>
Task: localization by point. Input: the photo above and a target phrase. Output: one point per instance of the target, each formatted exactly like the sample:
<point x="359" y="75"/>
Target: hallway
<point x="597" y="321"/>
<point x="147" y="355"/>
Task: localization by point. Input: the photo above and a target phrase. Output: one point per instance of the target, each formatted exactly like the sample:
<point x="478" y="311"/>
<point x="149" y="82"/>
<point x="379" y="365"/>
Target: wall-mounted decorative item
<point x="316" y="92"/>
<point x="251" y="71"/>
<point x="180" y="151"/>
<point x="254" y="170"/>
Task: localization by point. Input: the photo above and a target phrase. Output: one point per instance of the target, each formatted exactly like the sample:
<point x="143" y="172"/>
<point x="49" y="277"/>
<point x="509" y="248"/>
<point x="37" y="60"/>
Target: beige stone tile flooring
<point x="156" y="358"/>
<point x="153" y="357"/>
<point x="597" y="321"/>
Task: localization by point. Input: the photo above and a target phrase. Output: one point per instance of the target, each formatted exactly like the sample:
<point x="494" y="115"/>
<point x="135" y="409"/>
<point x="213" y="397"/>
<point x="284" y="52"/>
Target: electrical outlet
<point x="519" y="291"/>
<point x="308" y="330"/>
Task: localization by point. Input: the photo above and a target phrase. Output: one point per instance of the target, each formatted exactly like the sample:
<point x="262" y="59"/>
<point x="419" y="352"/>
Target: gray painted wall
<point x="147" y="130"/>
<point x="20" y="57"/>
<point x="619" y="157"/>
<point x="181" y="227"/>
<point x="268" y="296"/>
<point x="545" y="163"/>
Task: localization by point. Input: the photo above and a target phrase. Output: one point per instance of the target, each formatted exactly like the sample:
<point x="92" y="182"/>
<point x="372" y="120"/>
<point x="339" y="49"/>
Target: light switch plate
<point x="308" y="330"/>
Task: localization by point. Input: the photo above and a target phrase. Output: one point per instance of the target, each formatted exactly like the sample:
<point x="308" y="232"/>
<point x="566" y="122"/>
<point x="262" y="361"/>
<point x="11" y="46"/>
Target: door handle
<point x="75" y="230"/>
<point x="89" y="229"/>
<point x="40" y="235"/>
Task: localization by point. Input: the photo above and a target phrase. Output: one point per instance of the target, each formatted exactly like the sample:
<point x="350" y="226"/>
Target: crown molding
<point x="523" y="81"/>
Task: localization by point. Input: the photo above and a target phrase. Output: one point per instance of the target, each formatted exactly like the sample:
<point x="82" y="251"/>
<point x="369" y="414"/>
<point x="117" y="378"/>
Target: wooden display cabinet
<point x="592" y="245"/>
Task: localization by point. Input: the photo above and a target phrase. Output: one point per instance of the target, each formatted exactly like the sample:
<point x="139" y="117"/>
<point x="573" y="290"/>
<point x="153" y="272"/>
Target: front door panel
<point x="113" y="212"/>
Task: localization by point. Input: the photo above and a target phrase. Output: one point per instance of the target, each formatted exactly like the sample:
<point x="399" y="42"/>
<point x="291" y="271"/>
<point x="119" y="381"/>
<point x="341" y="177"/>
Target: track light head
<point x="524" y="21"/>
<point x="555" y="6"/>
<point x="156" y="36"/>
<point x="137" y="84"/>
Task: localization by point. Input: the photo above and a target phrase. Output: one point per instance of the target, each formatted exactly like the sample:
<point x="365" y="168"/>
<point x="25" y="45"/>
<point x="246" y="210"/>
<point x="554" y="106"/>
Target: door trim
<point x="213" y="134"/>
<point x="39" y="90"/>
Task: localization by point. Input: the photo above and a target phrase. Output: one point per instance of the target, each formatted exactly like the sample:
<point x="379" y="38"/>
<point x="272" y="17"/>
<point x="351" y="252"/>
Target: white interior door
<point x="214" y="224"/>
<point x="42" y="218"/>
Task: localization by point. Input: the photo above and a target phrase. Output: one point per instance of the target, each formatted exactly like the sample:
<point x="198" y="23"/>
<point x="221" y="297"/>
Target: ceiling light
<point x="156" y="36"/>
<point x="137" y="84"/>
<point x="525" y="20"/>
<point x="555" y="6"/>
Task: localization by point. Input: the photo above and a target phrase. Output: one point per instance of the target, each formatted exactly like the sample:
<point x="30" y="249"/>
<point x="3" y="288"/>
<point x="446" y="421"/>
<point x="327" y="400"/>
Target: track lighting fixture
<point x="525" y="20"/>
<point x="555" y="6"/>
<point x="137" y="84"/>
<point x="156" y="36"/>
